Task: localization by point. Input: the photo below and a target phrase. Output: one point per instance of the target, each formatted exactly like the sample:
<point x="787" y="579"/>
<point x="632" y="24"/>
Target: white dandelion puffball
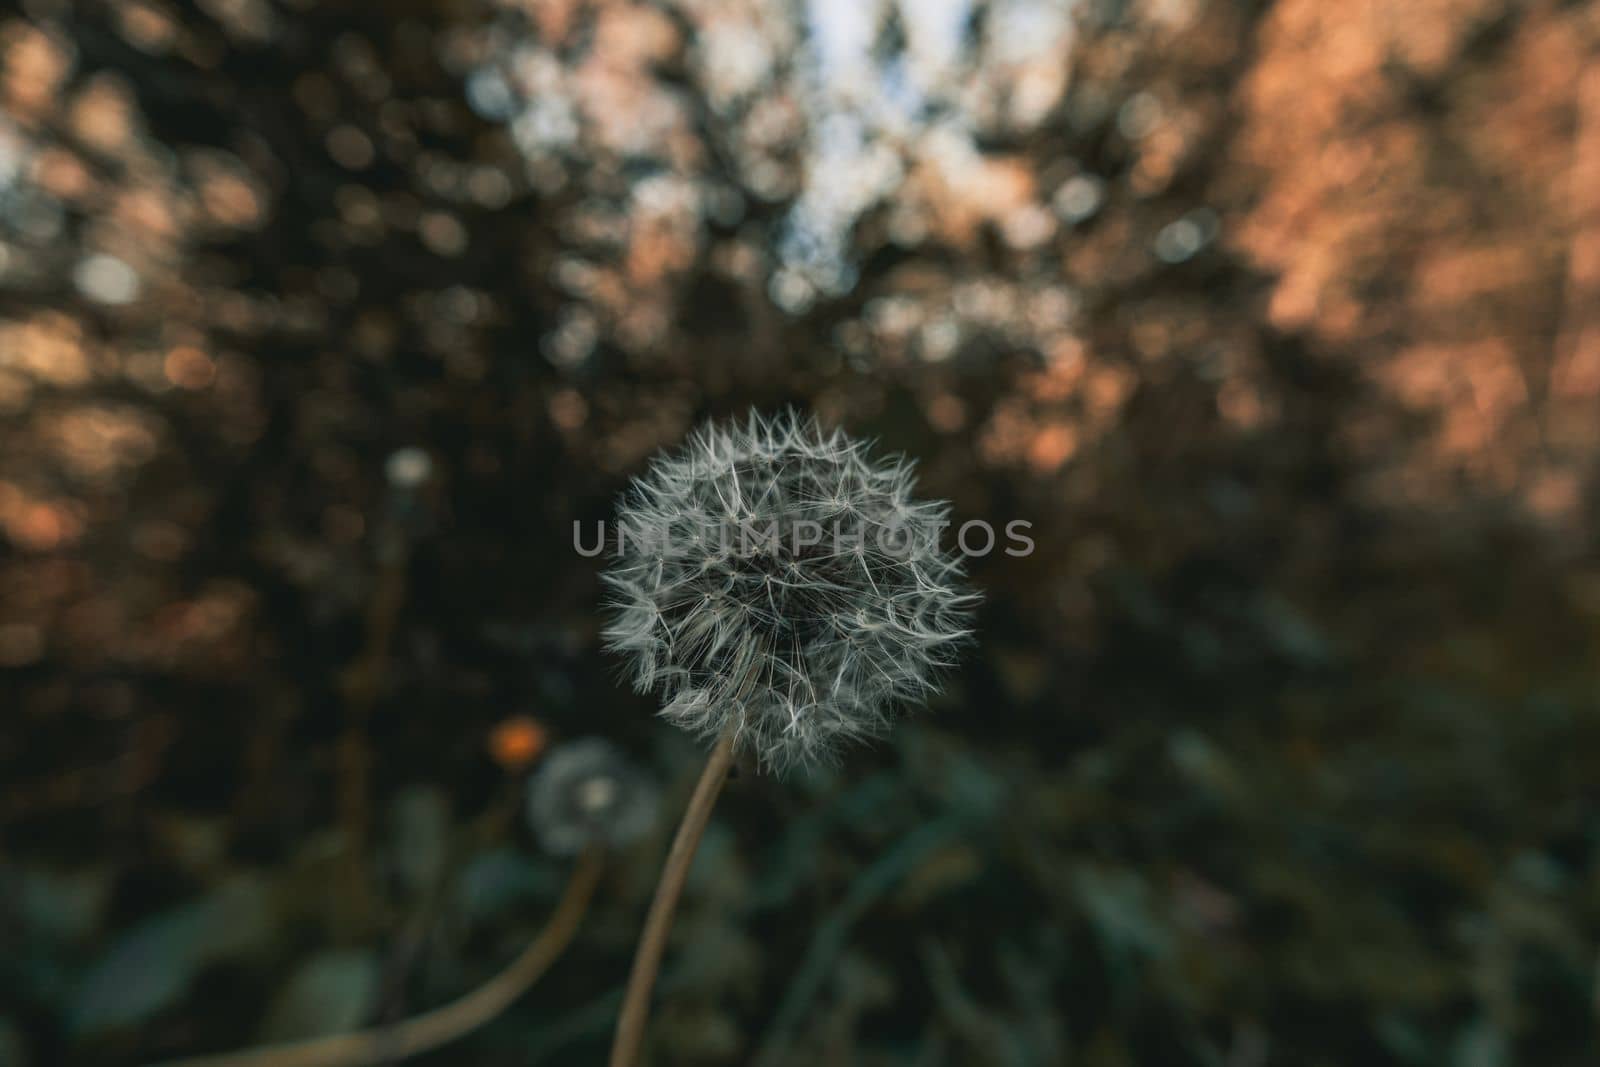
<point x="778" y="581"/>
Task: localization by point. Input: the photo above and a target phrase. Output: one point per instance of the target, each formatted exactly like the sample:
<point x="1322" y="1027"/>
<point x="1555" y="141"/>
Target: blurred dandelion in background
<point x="586" y="792"/>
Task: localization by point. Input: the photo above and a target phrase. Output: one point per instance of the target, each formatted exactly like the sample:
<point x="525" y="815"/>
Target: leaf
<point x="1200" y="761"/>
<point x="494" y="881"/>
<point x="61" y="905"/>
<point x="150" y="967"/>
<point x="420" y="836"/>
<point x="240" y="917"/>
<point x="146" y="970"/>
<point x="1480" y="1044"/>
<point x="1117" y="905"/>
<point x="331" y="993"/>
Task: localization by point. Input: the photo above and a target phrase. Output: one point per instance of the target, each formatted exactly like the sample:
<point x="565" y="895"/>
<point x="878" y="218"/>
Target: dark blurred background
<point x="321" y="323"/>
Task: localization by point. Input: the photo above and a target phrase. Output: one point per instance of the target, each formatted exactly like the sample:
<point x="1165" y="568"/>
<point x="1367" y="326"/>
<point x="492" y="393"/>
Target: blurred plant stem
<point x="362" y="683"/>
<point x="440" y="1026"/>
<point x="658" y="923"/>
<point x="831" y="936"/>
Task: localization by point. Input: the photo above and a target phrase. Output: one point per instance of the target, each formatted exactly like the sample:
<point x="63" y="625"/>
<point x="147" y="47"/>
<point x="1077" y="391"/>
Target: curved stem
<point x="653" y="940"/>
<point x="443" y="1024"/>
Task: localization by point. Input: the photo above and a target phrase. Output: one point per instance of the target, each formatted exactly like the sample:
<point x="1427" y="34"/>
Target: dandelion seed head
<point x="587" y="792"/>
<point x="781" y="581"/>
